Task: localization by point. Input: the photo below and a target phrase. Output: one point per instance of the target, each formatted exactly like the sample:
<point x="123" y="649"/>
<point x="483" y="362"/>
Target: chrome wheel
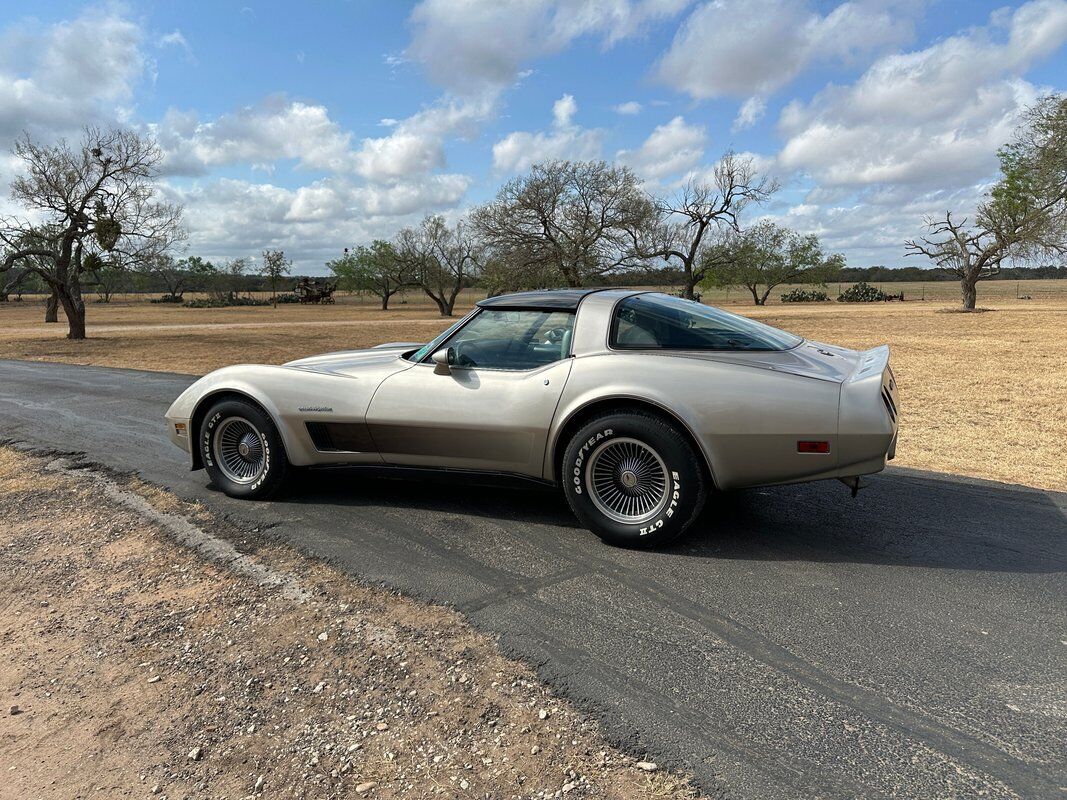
<point x="239" y="450"/>
<point x="627" y="481"/>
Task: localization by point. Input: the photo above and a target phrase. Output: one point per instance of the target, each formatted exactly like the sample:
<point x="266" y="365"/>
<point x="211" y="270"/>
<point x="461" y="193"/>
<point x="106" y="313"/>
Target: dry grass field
<point x="983" y="394"/>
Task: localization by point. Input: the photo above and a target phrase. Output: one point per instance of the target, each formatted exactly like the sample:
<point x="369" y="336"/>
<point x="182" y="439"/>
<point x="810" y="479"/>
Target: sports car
<point x="636" y="404"/>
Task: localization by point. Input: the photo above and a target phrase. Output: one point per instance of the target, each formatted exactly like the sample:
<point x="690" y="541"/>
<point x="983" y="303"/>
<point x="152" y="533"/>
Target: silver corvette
<point x="636" y="403"/>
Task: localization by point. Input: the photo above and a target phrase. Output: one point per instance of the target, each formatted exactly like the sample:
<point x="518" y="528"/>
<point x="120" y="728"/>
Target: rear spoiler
<point x="871" y="362"/>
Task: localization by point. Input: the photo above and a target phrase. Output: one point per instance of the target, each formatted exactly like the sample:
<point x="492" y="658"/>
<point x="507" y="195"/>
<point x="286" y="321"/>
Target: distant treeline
<point x="878" y="274"/>
<point x="920" y="275"/>
<point x="148" y="283"/>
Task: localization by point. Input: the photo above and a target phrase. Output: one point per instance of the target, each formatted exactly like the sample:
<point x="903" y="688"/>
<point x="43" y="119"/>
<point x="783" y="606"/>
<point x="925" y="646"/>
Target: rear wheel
<point x="242" y="451"/>
<point x="633" y="479"/>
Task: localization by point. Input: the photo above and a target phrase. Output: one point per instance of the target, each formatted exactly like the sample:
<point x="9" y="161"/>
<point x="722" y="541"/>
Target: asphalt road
<point x="911" y="642"/>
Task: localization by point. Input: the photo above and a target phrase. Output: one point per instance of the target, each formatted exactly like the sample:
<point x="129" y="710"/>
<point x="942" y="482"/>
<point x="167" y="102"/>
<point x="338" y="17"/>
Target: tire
<point x="242" y="451"/>
<point x="612" y="458"/>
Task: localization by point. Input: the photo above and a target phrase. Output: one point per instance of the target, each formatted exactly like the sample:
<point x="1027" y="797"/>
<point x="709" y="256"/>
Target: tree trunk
<point x="385" y="301"/>
<point x="687" y="290"/>
<point x="51" y="308"/>
<point x="970" y="294"/>
<point x="755" y="295"/>
<point x="74" y="308"/>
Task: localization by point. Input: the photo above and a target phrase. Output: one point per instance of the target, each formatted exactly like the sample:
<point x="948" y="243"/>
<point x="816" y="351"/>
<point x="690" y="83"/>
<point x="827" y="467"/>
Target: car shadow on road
<point x="903" y="518"/>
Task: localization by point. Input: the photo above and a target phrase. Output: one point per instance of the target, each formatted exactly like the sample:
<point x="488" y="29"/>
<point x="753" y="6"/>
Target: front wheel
<point x="242" y="451"/>
<point x="633" y="479"/>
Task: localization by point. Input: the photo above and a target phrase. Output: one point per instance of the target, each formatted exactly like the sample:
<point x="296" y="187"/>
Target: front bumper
<point x="178" y="430"/>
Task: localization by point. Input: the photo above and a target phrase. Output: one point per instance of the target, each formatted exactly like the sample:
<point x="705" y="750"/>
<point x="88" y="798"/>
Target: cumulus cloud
<point x="751" y="112"/>
<point x="56" y="78"/>
<point x="228" y="218"/>
<point x="563" y="111"/>
<point x="269" y="131"/>
<point x="935" y="116"/>
<point x="520" y="150"/>
<point x="629" y="108"/>
<point x="417" y="144"/>
<point x="739" y="48"/>
<point x="671" y="149"/>
<point x="872" y="226"/>
<point x="469" y="45"/>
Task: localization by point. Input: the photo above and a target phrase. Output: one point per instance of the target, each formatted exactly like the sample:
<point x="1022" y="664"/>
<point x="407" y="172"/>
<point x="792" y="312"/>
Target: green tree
<point x="1024" y="215"/>
<point x="275" y="265"/>
<point x="345" y="272"/>
<point x="376" y="268"/>
<point x="767" y="255"/>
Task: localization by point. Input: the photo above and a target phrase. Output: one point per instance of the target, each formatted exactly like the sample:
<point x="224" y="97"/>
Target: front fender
<point x="240" y="379"/>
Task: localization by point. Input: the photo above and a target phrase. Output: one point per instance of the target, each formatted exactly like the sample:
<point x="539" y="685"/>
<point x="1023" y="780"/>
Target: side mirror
<point x="442" y="360"/>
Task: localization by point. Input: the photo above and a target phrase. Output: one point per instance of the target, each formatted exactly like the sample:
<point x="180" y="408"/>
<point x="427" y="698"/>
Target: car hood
<point x="809" y="359"/>
<point x="350" y="362"/>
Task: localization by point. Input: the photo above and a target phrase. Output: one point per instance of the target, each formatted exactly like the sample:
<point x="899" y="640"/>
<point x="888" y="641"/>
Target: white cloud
<point x="629" y="108"/>
<point x="469" y="45"/>
<point x="671" y="149"/>
<point x="934" y="117"/>
<point x="261" y="134"/>
<point x="738" y="48"/>
<point x="229" y="218"/>
<point x="176" y="39"/>
<point x="872" y="227"/>
<point x="751" y="112"/>
<point x="520" y="150"/>
<point x="417" y="144"/>
<point x="563" y="111"/>
<point x="56" y="78"/>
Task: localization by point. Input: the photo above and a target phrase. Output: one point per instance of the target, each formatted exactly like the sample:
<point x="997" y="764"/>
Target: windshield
<point x="661" y="322"/>
<point x="432" y="347"/>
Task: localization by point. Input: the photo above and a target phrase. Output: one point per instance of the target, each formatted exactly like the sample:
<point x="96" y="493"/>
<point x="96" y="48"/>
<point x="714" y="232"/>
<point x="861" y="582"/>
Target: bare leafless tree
<point x="702" y="209"/>
<point x="1023" y="217"/>
<point x="442" y="259"/>
<point x="571" y="220"/>
<point x="97" y="196"/>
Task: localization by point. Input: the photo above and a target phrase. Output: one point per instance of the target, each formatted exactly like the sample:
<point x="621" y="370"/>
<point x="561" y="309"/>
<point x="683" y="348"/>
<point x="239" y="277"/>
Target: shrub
<point x="799" y="295"/>
<point x="288" y="297"/>
<point x="167" y="298"/>
<point x="226" y="302"/>
<point x="862" y="292"/>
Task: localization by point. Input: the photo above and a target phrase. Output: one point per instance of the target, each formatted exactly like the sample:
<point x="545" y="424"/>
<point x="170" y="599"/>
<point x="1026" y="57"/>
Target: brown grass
<point x="983" y="394"/>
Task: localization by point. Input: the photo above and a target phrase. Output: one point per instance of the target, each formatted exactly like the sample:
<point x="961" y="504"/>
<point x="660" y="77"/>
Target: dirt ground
<point x="151" y="651"/>
<point x="983" y="394"/>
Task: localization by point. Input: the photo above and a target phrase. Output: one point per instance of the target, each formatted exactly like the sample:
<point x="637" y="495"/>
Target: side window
<point x="659" y="322"/>
<point x="513" y="340"/>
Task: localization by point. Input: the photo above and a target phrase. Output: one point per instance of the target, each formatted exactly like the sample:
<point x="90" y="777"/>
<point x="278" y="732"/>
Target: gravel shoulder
<point x="150" y="649"/>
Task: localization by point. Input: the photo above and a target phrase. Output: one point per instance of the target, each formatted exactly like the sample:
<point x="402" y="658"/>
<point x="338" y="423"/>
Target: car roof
<point x="541" y="300"/>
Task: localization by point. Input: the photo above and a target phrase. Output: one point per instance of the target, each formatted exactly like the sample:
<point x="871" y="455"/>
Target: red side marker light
<point x="813" y="447"/>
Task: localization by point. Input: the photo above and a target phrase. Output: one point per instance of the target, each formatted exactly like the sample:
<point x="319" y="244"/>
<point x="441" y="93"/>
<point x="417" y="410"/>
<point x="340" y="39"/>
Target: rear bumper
<point x="868" y="427"/>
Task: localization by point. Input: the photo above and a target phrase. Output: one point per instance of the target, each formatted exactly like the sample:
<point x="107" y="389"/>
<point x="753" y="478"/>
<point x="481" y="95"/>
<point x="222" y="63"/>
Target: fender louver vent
<point x="890" y="406"/>
<point x="320" y="435"/>
<point x="340" y="437"/>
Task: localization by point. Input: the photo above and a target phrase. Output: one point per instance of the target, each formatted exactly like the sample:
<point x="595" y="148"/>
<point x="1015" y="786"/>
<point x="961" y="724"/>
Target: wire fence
<point x="415" y="298"/>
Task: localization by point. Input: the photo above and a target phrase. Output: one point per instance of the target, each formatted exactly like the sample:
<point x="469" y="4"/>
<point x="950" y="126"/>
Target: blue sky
<point x="319" y="126"/>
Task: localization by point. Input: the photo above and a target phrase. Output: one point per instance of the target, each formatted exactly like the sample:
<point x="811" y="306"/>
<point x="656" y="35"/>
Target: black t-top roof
<point x="542" y="300"/>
